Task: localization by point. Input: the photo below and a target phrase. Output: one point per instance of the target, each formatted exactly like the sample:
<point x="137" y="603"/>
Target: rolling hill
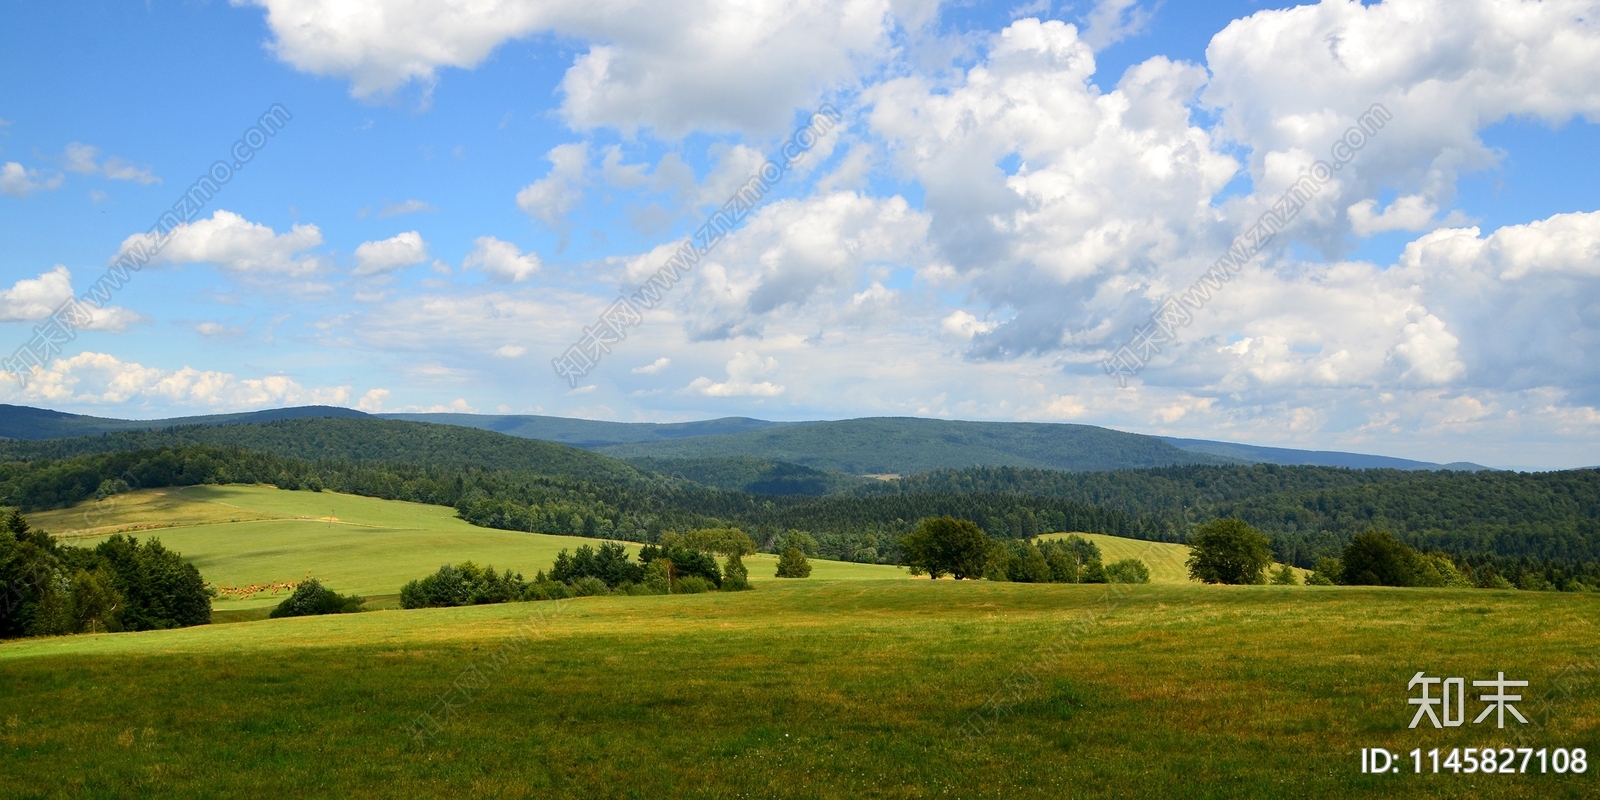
<point x="244" y="535"/>
<point x="906" y="445"/>
<point x="965" y="444"/>
<point x="357" y="440"/>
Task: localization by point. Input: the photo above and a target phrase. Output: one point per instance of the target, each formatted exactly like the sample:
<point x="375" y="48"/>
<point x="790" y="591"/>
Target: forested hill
<point x="26" y="422"/>
<point x="591" y="433"/>
<point x="1313" y="510"/>
<point x="906" y="445"/>
<point x="359" y="440"/>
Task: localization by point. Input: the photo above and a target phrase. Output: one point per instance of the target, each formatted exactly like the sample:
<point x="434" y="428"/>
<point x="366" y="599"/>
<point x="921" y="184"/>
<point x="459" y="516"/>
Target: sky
<point x="428" y="205"/>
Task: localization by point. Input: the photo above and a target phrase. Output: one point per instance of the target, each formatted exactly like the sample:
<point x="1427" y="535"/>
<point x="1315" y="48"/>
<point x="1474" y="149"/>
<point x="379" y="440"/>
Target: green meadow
<point x="254" y="535"/>
<point x="832" y="686"/>
<point x="801" y="689"/>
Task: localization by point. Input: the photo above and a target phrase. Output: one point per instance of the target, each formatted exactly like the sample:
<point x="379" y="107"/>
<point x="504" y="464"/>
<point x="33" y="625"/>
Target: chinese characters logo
<point x="1453" y="697"/>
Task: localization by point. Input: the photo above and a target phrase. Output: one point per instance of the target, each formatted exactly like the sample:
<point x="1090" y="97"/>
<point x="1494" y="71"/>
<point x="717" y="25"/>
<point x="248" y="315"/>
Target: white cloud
<point x="83" y="158"/>
<point x="32" y="299"/>
<point x="964" y="325"/>
<point x="700" y="64"/>
<point x="237" y="245"/>
<point x="399" y="251"/>
<point x="550" y="198"/>
<point x="1412" y="212"/>
<point x="501" y="259"/>
<point x="511" y="351"/>
<point x="794" y="254"/>
<point x="744" y="372"/>
<point x="100" y="378"/>
<point x="372" y="402"/>
<point x="217" y="330"/>
<point x="407" y="207"/>
<point x="654" y="367"/>
<point x="1289" y="82"/>
<point x="19" y="182"/>
<point x="1111" y="21"/>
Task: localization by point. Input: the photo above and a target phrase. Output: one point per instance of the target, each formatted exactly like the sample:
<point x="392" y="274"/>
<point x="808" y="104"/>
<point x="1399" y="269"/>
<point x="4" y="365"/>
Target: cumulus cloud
<point x="501" y="260"/>
<point x="702" y="64"/>
<point x="1110" y="192"/>
<point x="1289" y="82"/>
<point x="372" y="402"/>
<point x="32" y="299"/>
<point x="100" y="378"/>
<point x="20" y="182"/>
<point x="654" y="367"/>
<point x="387" y="255"/>
<point x="237" y="245"/>
<point x="797" y="253"/>
<point x="745" y="373"/>
<point x="1409" y="213"/>
<point x="550" y="198"/>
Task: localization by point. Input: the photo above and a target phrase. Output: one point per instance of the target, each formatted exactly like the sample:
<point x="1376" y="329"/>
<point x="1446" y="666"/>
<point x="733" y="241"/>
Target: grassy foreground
<point x="805" y="689"/>
<point x="244" y="535"/>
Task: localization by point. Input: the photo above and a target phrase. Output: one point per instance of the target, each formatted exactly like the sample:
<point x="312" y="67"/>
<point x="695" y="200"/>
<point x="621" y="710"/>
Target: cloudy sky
<point x="463" y="187"/>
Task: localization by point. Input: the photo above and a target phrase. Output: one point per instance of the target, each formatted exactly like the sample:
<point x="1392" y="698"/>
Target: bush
<point x="1128" y="570"/>
<point x="657" y="577"/>
<point x="609" y="564"/>
<point x="735" y="577"/>
<point x="1073" y="559"/>
<point x="1284" y="576"/>
<point x="1376" y="558"/>
<point x="463" y="584"/>
<point x="311" y="598"/>
<point x="1329" y="571"/>
<point x="547" y="590"/>
<point x="693" y="584"/>
<point x="589" y="586"/>
<point x="683" y="562"/>
<point x="1228" y="551"/>
<point x="793" y="564"/>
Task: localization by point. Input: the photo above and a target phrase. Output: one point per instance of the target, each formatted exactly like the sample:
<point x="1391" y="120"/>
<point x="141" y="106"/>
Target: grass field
<point x="244" y="535"/>
<point x="805" y="689"/>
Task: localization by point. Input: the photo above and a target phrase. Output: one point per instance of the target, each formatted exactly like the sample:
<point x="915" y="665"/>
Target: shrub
<point x="1073" y="559"/>
<point x="463" y="584"/>
<point x="693" y="584"/>
<point x="1329" y="571"/>
<point x="793" y="564"/>
<point x="683" y="562"/>
<point x="1128" y="570"/>
<point x="588" y="586"/>
<point x="311" y="598"/>
<point x="1228" y="551"/>
<point x="1284" y="576"/>
<point x="657" y="577"/>
<point x="610" y="564"/>
<point x="1376" y="558"/>
<point x="735" y="577"/>
<point x="547" y="590"/>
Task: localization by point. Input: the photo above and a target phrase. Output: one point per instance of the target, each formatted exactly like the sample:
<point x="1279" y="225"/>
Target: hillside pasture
<point x="253" y="535"/>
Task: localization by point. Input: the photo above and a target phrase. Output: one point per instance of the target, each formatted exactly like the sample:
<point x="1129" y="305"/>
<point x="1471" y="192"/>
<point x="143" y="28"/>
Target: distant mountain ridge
<point x="873" y="445"/>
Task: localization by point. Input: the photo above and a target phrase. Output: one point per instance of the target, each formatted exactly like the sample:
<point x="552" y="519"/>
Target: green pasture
<point x="254" y="535"/>
<point x="807" y="689"/>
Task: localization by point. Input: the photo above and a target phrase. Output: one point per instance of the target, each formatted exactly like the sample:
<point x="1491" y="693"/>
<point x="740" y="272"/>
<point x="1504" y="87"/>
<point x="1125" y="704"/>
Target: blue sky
<point x="1011" y="192"/>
